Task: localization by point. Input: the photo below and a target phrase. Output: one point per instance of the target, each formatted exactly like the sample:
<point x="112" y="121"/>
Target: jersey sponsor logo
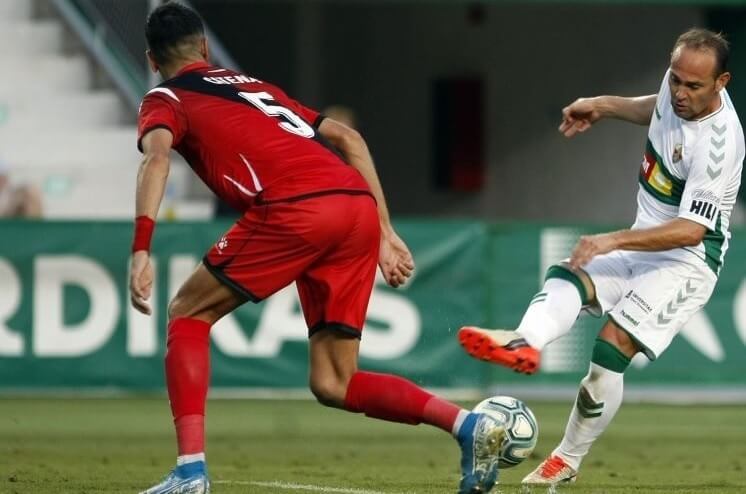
<point x="631" y="319"/>
<point x="638" y="301"/>
<point x="706" y="195"/>
<point x="703" y="208"/>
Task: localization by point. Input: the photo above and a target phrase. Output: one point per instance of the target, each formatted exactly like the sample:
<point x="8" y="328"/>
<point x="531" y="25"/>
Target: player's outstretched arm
<point x="675" y="233"/>
<point x="582" y="113"/>
<point x="151" y="182"/>
<point x="395" y="259"/>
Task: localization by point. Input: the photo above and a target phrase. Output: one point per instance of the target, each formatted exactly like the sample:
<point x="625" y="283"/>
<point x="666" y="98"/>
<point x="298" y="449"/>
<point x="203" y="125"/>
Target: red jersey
<point x="246" y="139"/>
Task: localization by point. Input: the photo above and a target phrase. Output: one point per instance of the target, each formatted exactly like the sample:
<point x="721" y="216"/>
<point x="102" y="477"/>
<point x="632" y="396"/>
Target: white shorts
<point x="651" y="295"/>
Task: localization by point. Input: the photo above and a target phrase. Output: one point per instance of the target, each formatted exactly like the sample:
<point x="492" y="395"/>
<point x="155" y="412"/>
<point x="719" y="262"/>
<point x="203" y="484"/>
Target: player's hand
<point x="579" y="116"/>
<point x="395" y="259"/>
<point x="590" y="246"/>
<point x="141" y="281"/>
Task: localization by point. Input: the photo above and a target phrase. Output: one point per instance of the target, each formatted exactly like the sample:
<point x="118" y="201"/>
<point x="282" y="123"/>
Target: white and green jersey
<point x="692" y="170"/>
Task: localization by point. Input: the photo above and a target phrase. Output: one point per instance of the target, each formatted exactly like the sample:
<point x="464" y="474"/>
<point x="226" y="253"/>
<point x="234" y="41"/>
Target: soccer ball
<point x="521" y="429"/>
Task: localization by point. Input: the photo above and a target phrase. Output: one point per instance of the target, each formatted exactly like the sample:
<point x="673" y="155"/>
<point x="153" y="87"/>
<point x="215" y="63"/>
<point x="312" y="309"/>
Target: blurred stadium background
<point x="459" y="102"/>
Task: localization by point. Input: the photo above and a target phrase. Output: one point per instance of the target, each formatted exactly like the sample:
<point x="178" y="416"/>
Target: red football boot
<point x="506" y="348"/>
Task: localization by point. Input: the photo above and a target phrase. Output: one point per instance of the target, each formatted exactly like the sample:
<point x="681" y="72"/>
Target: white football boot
<point x="553" y="470"/>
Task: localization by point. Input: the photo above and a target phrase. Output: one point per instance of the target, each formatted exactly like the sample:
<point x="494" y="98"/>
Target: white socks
<point x="462" y="414"/>
<point x="597" y="402"/>
<point x="184" y="459"/>
<point x="551" y="313"/>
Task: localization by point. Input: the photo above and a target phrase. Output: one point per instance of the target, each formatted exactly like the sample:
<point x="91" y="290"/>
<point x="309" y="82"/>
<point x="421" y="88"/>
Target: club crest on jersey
<point x="676" y="156"/>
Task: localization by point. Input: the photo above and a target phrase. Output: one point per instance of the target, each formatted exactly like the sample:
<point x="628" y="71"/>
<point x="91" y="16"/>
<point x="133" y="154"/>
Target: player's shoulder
<point x="730" y="117"/>
<point x="159" y="99"/>
<point x="725" y="124"/>
<point x="720" y="136"/>
<point x="162" y="93"/>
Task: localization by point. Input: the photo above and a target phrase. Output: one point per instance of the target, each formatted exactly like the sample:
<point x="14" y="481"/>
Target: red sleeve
<point x="161" y="111"/>
<point x="311" y="116"/>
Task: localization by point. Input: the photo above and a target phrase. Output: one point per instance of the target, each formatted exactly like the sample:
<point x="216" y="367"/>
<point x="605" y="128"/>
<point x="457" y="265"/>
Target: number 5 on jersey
<point x="290" y="121"/>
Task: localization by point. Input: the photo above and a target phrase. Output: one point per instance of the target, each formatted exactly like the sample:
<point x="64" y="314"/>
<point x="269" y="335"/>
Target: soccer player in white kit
<point x="650" y="279"/>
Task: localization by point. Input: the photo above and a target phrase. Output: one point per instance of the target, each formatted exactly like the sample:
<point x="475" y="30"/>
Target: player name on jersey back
<point x="231" y="79"/>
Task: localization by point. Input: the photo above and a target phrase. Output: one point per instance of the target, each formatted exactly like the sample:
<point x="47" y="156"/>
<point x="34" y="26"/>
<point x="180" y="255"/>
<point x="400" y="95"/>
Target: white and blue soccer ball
<point x="521" y="428"/>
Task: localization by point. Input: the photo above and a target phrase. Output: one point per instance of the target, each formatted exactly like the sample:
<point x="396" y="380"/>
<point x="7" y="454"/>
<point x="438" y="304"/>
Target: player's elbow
<point x="694" y="235"/>
<point x="351" y="140"/>
<point x="156" y="162"/>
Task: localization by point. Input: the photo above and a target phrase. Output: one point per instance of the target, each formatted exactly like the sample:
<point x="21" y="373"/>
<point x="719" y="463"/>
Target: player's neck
<point x="170" y="71"/>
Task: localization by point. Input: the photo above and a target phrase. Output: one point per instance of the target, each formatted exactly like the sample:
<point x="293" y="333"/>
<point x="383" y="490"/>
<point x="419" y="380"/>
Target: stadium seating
<point x="74" y="141"/>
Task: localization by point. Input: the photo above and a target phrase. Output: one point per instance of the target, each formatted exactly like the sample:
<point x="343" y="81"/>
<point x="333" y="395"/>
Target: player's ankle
<point x="460" y="418"/>
<point x="190" y="458"/>
<point x="530" y="339"/>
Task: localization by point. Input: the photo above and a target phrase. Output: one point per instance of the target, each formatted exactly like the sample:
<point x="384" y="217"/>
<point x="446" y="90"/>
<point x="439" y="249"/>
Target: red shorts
<point x="327" y="244"/>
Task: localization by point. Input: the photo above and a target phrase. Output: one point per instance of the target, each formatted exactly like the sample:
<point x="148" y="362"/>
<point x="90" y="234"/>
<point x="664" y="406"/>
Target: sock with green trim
<point x="598" y="400"/>
<point x="551" y="313"/>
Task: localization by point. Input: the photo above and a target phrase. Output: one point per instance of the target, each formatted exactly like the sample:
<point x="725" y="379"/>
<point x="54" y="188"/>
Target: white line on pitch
<point x="299" y="487"/>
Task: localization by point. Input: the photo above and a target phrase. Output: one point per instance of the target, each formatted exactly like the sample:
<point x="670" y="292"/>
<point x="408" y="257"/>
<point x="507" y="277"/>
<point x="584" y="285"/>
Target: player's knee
<point x="619" y="338"/>
<point x="329" y="391"/>
<point x="577" y="277"/>
<point x="184" y="306"/>
<point x="178" y="308"/>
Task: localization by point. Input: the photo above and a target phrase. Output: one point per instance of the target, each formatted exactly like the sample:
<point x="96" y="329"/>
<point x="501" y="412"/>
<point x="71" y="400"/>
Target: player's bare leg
<point x="551" y="314"/>
<point x="599" y="398"/>
<point x="199" y="303"/>
<point x="336" y="381"/>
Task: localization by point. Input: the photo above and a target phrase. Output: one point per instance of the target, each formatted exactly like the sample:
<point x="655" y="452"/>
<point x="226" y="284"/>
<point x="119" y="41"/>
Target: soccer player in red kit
<point x="308" y="216"/>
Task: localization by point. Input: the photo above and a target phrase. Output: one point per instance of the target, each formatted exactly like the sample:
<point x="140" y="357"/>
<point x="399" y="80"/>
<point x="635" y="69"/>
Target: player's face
<point x="695" y="90"/>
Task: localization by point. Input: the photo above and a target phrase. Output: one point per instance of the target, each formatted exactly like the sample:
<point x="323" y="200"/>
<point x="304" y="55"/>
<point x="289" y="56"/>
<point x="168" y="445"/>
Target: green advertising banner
<point x="66" y="322"/>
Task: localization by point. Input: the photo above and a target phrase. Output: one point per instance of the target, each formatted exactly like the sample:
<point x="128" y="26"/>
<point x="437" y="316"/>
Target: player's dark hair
<point x="171" y="29"/>
<point x="703" y="39"/>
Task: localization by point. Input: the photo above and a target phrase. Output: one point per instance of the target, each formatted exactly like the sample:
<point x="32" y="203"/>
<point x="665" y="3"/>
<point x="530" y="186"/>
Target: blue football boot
<point x="190" y="478"/>
<point x="480" y="438"/>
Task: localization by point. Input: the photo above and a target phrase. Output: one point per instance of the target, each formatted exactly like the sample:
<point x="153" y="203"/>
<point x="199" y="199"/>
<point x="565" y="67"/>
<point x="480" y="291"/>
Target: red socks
<point x="187" y="378"/>
<point x="381" y="396"/>
<point x="389" y="397"/>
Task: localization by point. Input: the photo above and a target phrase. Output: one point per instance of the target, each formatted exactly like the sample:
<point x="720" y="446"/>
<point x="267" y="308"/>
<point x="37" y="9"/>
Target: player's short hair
<point x="171" y="31"/>
<point x="698" y="38"/>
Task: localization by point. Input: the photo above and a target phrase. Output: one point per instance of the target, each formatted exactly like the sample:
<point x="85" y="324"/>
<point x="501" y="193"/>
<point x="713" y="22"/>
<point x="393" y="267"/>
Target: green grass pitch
<point x="87" y="446"/>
